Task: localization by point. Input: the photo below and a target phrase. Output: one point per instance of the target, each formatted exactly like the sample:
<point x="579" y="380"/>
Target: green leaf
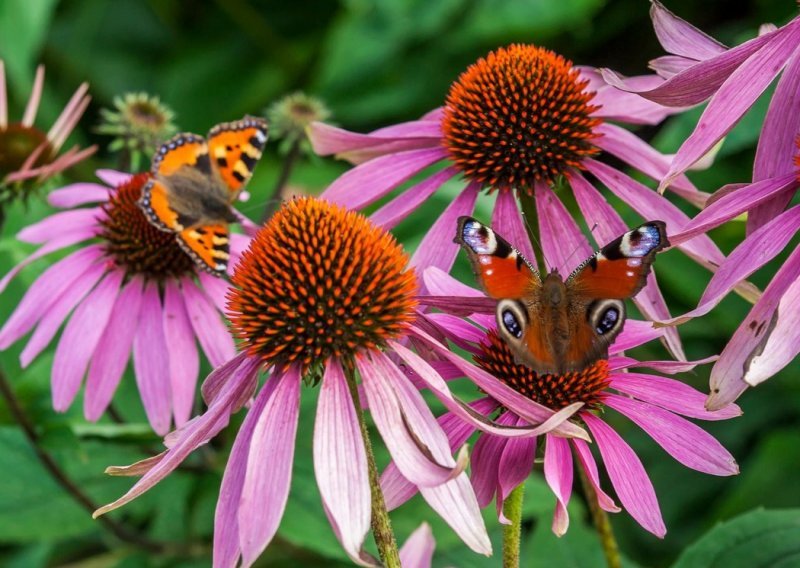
<point x="23" y="26"/>
<point x="756" y="539"/>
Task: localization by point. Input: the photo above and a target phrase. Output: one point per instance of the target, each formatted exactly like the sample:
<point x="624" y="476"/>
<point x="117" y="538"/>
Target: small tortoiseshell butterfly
<point x="557" y="326"/>
<point x="194" y="182"/>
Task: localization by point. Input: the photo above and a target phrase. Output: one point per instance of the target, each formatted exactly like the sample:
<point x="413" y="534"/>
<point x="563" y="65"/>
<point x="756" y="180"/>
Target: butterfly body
<point x="555" y="325"/>
<point x="195" y="180"/>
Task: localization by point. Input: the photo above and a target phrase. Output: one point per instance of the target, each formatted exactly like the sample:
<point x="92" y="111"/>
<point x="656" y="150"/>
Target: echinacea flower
<point x="27" y="153"/>
<point x="523" y="119"/>
<point x="731" y="79"/>
<point x="323" y="295"/>
<point x="655" y="403"/>
<point x="128" y="289"/>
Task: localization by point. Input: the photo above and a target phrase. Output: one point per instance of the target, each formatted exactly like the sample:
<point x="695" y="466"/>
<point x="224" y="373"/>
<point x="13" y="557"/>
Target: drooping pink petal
<point x="55" y="225"/>
<point x="516" y="463"/>
<point x="558" y="474"/>
<point x="736" y="95"/>
<point x="358" y="148"/>
<point x="213" y="384"/>
<point x="626" y="107"/>
<point x="194" y="434"/>
<point x="485" y="461"/>
<point x="460" y="331"/>
<point x="340" y="463"/>
<point x="727" y="376"/>
<point x="79" y="339"/>
<point x="680" y="37"/>
<point x="113" y="178"/>
<point x="589" y="466"/>
<point x="390" y="214"/>
<point x="368" y="182"/>
<point x="113" y="350"/>
<point x="437" y="247"/>
<point x="670" y="394"/>
<point x="207" y="323"/>
<point x="269" y="468"/>
<point x="226" y="517"/>
<point x="628" y="476"/>
<point x="415" y="441"/>
<point x="184" y="363"/>
<point x="151" y="360"/>
<point x="683" y="440"/>
<point x="618" y="362"/>
<point x="563" y="244"/>
<point x="78" y="194"/>
<point x="57" y="313"/>
<point x="507" y="221"/>
<point x="440" y="283"/>
<point x="667" y="66"/>
<point x="417" y="551"/>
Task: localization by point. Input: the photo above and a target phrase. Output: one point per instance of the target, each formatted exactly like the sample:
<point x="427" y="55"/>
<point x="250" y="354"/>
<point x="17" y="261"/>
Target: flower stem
<point x="512" y="509"/>
<point x="274" y="200"/>
<point x="601" y="523"/>
<point x="120" y="531"/>
<point x="381" y="524"/>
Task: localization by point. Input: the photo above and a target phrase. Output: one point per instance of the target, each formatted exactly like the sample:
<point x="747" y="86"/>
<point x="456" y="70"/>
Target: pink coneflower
<point x="324" y="295"/>
<point x="732" y="79"/>
<point x="129" y="289"/>
<point x="27" y="153"/>
<point x="523" y="119"/>
<point x="499" y="464"/>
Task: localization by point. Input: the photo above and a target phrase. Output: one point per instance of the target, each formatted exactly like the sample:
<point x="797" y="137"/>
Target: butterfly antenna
<point x="537" y="244"/>
<point x="576" y="248"/>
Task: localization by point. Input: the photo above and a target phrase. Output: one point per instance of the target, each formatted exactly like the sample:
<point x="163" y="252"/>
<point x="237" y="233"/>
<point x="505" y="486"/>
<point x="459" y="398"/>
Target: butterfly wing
<point x="235" y="149"/>
<point x="208" y="246"/>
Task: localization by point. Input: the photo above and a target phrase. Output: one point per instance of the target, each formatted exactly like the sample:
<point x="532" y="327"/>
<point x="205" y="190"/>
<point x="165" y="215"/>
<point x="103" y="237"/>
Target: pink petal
<point x="437" y="247"/>
<point x="589" y="466"/>
<point x="214" y="382"/>
<point x="36" y="95"/>
<point x="57" y="313"/>
<point x="622" y="106"/>
<point x="681" y="38"/>
<point x="558" y="474"/>
<point x="669" y="367"/>
<point x="358" y="148"/>
<point x="686" y="442"/>
<point x="667" y="66"/>
<point x="57" y="224"/>
<point x="563" y="245"/>
<point x="409" y="200"/>
<point x="727" y="376"/>
<point x="633" y="334"/>
<point x="485" y="460"/>
<point x="417" y="552"/>
<point x="113" y="349"/>
<point x="516" y="463"/>
<point x="670" y="394"/>
<point x="184" y="363"/>
<point x="269" y="468"/>
<point x="78" y="194"/>
<point x="340" y="463"/>
<point x="371" y="180"/>
<point x="507" y="221"/>
<point x="151" y="361"/>
<point x="460" y="331"/>
<point x="79" y="339"/>
<point x="628" y="476"/>
<point x="216" y="341"/>
<point x="216" y="289"/>
<point x="113" y="178"/>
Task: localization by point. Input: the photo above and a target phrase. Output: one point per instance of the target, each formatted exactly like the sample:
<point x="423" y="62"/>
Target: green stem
<point x="275" y="198"/>
<point x="602" y="523"/>
<point x="381" y="524"/>
<point x="512" y="509"/>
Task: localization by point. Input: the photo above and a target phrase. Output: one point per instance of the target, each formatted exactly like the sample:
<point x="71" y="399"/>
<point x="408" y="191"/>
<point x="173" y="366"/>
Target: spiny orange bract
<point x="553" y="391"/>
<point x="133" y="242"/>
<point x="319" y="281"/>
<point x="519" y="116"/>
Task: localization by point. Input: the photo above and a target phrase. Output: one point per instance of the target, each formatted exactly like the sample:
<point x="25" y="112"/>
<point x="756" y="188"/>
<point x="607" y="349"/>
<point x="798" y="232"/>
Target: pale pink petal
<point x="434" y="115"/>
<point x="214" y="382"/>
<point x="57" y="313"/>
<point x="589" y="466"/>
<point x="680" y="37"/>
<point x="727" y="376"/>
<point x="113" y="178"/>
<point x="184" y="363"/>
<point x="371" y="180"/>
<point x="417" y="551"/>
<point x="563" y="245"/>
<point x="427" y="127"/>
<point x="216" y="289"/>
<point x="54" y="226"/>
<point x="3" y="96"/>
<point x="151" y="361"/>
<point x="69" y="116"/>
<point x="78" y="194"/>
<point x="507" y="221"/>
<point x="79" y="339"/>
<point x="269" y="468"/>
<point x="113" y="350"/>
<point x="667" y="66"/>
<point x="670" y="394"/>
<point x="340" y="463"/>
<point x="630" y="480"/>
<point x="216" y="341"/>
<point x="683" y="440"/>
<point x="437" y="247"/>
<point x="33" y="100"/>
<point x="390" y="214"/>
<point x="558" y="474"/>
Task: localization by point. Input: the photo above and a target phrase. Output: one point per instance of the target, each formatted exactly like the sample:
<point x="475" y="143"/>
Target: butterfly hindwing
<point x="208" y="245"/>
<point x="235" y="148"/>
<point x="154" y="203"/>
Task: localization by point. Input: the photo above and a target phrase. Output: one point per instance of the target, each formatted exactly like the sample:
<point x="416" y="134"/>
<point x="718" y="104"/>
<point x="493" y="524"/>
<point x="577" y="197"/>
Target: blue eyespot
<point x="511" y="324"/>
<point x="607" y="321"/>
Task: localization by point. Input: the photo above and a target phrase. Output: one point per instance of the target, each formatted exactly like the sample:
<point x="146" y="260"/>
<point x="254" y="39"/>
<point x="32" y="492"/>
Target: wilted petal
<point x="417" y="552"/>
<point x="456" y="504"/>
<point x="184" y="363"/>
<point x="589" y="466"/>
<point x="628" y="476"/>
<point x="558" y="474"/>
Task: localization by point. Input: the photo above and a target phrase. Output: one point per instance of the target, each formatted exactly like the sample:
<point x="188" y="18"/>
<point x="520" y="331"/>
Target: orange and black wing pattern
<point x="235" y="148"/>
<point x="209" y="247"/>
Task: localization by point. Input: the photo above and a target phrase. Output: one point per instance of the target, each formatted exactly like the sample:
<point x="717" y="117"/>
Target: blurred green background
<point x="373" y="63"/>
